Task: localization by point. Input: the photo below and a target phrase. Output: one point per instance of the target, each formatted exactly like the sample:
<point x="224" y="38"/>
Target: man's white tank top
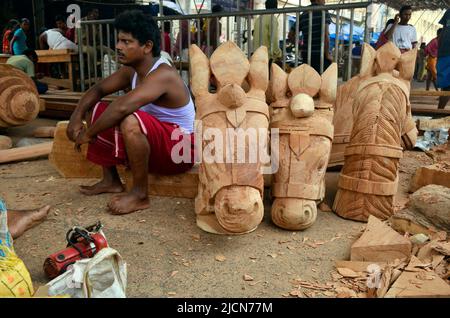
<point x="182" y="116"/>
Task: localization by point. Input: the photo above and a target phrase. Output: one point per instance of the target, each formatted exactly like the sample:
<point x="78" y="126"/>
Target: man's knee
<point x="130" y="126"/>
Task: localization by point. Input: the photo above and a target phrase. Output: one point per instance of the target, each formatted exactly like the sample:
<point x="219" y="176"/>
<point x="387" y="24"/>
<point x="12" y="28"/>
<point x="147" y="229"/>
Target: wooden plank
<point x="429" y="93"/>
<point x="23" y="153"/>
<point x="429" y="124"/>
<point x="56" y="105"/>
<point x="438" y="173"/>
<point x="429" y="110"/>
<point x="66" y="83"/>
<point x="380" y="243"/>
<point x="418" y="285"/>
<point x="358" y="266"/>
<point x="53" y="52"/>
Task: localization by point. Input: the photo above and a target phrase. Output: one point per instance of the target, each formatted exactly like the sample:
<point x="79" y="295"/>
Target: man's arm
<point x="11" y="48"/>
<point x="155" y="85"/>
<point x="117" y="81"/>
<point x="43" y="41"/>
<point x="390" y="32"/>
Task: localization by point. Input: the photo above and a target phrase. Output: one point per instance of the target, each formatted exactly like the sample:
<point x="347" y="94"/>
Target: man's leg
<point x="109" y="184"/>
<point x="138" y="152"/>
<point x="20" y="221"/>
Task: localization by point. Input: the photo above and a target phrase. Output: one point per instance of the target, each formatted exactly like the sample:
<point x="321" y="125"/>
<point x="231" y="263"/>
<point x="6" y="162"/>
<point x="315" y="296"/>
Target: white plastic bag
<point x="103" y="276"/>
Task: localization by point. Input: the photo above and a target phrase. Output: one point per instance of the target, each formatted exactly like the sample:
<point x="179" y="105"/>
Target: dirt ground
<point x="167" y="255"/>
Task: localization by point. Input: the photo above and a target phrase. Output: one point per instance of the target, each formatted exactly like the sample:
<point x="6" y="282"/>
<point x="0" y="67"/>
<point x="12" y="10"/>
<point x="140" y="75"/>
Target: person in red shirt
<point x="8" y="33"/>
<point x="61" y="24"/>
<point x="431" y="51"/>
<point x="165" y="38"/>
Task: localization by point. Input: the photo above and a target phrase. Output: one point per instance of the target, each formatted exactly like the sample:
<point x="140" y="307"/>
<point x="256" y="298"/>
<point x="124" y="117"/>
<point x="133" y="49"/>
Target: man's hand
<point x="82" y="139"/>
<point x="74" y="129"/>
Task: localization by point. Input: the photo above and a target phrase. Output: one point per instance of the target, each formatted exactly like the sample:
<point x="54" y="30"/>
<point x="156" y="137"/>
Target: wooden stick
<point x="429" y="93"/>
<point x="44" y="132"/>
<point x="23" y="153"/>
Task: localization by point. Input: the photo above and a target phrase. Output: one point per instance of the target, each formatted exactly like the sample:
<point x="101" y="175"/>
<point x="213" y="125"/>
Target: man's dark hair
<point x="167" y="26"/>
<point x="405" y="8"/>
<point x="271" y="4"/>
<point x="59" y="17"/>
<point x="142" y="27"/>
<point x="217" y="8"/>
<point x="439" y="31"/>
<point x="31" y="54"/>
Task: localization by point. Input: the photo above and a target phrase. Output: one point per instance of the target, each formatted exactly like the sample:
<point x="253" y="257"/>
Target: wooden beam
<point x="66" y="83"/>
<point x="429" y="93"/>
<point x="429" y="111"/>
<point x="24" y="153"/>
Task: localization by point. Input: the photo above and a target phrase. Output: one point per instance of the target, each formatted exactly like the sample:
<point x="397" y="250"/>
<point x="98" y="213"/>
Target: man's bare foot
<point x="103" y="187"/>
<point x="127" y="203"/>
<point x="21" y="221"/>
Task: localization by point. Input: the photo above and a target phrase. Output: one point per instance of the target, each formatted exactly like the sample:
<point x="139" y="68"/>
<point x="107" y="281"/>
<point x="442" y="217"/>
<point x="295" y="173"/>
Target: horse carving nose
<point x="232" y="96"/>
<point x="302" y="105"/>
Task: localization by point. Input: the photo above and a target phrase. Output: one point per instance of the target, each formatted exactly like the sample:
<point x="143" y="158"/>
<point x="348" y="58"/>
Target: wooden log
<point x="5" y="142"/>
<point x="24" y="153"/>
<point x="67" y="161"/>
<point x="380" y="243"/>
<point x="438" y="173"/>
<point x="430" y="124"/>
<point x="429" y="110"/>
<point x="19" y="101"/>
<point x="44" y="132"/>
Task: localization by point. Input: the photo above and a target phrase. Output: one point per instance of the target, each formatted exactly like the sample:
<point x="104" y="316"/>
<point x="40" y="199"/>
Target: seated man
<point x="26" y="63"/>
<point x="141" y="128"/>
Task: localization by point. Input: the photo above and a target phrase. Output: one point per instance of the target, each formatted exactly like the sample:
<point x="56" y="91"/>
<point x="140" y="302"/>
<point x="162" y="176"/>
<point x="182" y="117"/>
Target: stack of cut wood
<point x="385" y="263"/>
<point x="19" y="101"/>
<point x="61" y="104"/>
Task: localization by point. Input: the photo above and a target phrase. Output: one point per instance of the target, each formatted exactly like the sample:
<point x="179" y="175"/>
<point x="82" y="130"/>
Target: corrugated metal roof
<point x="418" y="4"/>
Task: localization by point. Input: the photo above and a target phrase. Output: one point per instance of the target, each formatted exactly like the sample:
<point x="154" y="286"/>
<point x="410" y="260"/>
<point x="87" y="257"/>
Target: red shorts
<point x="108" y="149"/>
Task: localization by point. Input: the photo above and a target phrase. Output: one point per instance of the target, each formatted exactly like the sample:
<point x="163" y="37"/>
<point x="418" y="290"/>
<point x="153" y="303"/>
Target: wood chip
<point x="173" y="273"/>
<point x="247" y="278"/>
<point x="142" y="221"/>
<point x="296" y="293"/>
<point x="196" y="237"/>
<point x="171" y="293"/>
<point x="347" y="272"/>
<point x="273" y="255"/>
<point x="220" y="258"/>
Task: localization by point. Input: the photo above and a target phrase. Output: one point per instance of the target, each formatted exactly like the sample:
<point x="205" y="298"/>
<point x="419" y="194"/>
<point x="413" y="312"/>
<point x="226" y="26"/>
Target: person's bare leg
<point x="109" y="184"/>
<point x="138" y="151"/>
<point x="20" y="221"/>
<point x="428" y="83"/>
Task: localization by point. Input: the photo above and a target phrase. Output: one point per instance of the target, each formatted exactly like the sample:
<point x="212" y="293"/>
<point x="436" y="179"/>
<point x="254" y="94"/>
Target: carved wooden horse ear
<point x="229" y="200"/>
<point x="305" y="141"/>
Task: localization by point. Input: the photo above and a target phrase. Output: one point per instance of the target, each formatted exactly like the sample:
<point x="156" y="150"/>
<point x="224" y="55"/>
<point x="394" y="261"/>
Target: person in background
<point x="26" y="63"/>
<point x="69" y="33"/>
<point x="431" y="52"/>
<point x="383" y="39"/>
<point x="8" y="33"/>
<point x="443" y="62"/>
<point x="215" y="31"/>
<point x="19" y="40"/>
<point x="166" y="45"/>
<point x="316" y="37"/>
<point x="268" y="35"/>
<point x="54" y="39"/>
<point x="356" y="58"/>
<point x="403" y="35"/>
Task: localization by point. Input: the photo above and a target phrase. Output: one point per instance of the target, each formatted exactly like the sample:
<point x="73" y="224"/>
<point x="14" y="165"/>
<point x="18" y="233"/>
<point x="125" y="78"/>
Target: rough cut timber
<point x="44" y="132"/>
<point x="5" y="142"/>
<point x="230" y="192"/>
<point x="438" y="173"/>
<point x="381" y="125"/>
<point x="24" y="153"/>
<point x="419" y="285"/>
<point x="380" y="243"/>
<point x="302" y="110"/>
<point x="430" y="124"/>
<point x="67" y="161"/>
<point x="19" y="99"/>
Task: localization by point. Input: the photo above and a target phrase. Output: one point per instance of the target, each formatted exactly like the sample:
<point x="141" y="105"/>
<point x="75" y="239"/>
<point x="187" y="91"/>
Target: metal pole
<point x="108" y="39"/>
<point x="199" y="29"/>
<point x="297" y="26"/>
<point x="81" y="57"/>
<point x="322" y="43"/>
<point x="310" y="15"/>
<point x="350" y="43"/>
<point x="101" y="49"/>
<point x="228" y="28"/>
<point x="249" y="42"/>
<point x="271" y="36"/>
<point x="284" y="41"/>
<point x="260" y="29"/>
<point x="94" y="35"/>
<point x="88" y="55"/>
<point x="336" y="42"/>
<point x="238" y="20"/>
<point x="208" y="34"/>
